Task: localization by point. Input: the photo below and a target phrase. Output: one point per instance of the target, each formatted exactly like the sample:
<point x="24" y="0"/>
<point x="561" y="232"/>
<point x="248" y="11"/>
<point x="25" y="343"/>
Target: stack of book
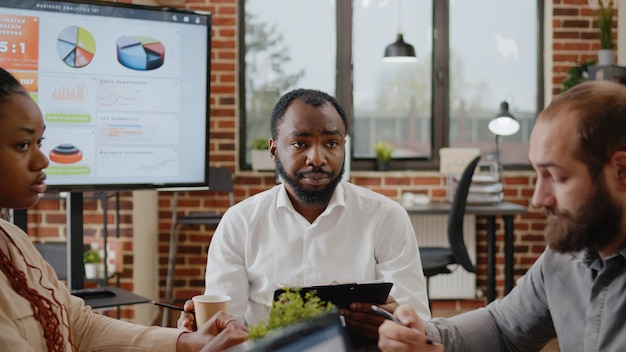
<point x="486" y="187"/>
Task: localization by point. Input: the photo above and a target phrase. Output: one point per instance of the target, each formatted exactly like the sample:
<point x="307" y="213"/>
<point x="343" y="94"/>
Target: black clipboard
<point x="341" y="295"/>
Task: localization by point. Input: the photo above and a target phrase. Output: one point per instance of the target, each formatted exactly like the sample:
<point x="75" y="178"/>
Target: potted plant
<point x="91" y="260"/>
<point x="290" y="308"/>
<point x="383" y="155"/>
<point x="605" y="10"/>
<point x="260" y="156"/>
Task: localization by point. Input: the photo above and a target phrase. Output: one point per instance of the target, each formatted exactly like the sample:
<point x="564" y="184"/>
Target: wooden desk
<point x="507" y="211"/>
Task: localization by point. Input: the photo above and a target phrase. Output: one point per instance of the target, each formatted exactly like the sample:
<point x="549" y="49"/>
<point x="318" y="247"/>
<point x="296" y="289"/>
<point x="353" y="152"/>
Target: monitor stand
<point x="75" y="278"/>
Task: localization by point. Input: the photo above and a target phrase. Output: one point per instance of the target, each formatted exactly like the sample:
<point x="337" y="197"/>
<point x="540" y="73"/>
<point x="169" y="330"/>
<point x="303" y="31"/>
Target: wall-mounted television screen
<point x="123" y="89"/>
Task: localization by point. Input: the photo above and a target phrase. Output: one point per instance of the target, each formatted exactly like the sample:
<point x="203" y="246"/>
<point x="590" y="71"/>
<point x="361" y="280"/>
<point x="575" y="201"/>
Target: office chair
<point x="435" y="260"/>
<point x="220" y="180"/>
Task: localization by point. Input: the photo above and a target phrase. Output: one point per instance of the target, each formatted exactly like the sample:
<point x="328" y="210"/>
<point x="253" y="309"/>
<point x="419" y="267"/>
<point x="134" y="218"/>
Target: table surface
<point x="437" y="208"/>
<point x="504" y="209"/>
<point x="121" y="298"/>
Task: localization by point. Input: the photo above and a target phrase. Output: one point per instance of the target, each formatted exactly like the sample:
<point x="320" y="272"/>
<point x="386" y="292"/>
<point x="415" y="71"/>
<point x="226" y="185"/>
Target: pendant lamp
<point x="399" y="51"/>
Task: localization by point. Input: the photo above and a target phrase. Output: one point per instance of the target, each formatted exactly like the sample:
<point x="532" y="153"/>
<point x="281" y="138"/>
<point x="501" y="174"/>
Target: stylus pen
<point x="170" y="306"/>
<point x="385" y="314"/>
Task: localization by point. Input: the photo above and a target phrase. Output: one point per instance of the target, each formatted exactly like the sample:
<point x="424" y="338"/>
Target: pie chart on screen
<point x="140" y="53"/>
<point x="76" y="46"/>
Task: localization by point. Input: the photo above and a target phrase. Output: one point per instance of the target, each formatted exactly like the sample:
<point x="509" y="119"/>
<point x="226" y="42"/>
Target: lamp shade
<point x="504" y="124"/>
<point x="399" y="51"/>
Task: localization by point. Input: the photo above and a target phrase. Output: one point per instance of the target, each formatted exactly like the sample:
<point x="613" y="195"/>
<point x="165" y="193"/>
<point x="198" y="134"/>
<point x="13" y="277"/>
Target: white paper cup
<point x="207" y="305"/>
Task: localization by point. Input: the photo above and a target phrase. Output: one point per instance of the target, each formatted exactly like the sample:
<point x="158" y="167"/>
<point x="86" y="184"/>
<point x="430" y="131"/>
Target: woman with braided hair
<point x="37" y="312"/>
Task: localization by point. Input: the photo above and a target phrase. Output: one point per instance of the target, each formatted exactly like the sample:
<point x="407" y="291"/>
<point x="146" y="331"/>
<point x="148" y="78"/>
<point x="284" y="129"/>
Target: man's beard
<point x="310" y="197"/>
<point x="594" y="226"/>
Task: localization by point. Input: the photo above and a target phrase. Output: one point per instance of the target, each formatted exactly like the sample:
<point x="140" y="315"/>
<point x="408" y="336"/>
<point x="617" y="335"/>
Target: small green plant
<point x="577" y="74"/>
<point x="289" y="309"/>
<point x="605" y="23"/>
<point x="260" y="144"/>
<point x="383" y="151"/>
<point x="91" y="256"/>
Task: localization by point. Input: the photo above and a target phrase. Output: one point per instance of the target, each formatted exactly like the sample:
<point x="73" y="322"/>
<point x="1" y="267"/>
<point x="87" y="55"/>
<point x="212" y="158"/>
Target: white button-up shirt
<point x="263" y="242"/>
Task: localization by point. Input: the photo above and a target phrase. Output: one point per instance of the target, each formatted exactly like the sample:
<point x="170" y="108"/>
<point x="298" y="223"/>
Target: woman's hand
<point x="220" y="332"/>
<point x="187" y="321"/>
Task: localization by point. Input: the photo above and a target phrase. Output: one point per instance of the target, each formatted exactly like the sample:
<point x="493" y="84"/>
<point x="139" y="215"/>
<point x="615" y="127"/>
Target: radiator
<point x="431" y="231"/>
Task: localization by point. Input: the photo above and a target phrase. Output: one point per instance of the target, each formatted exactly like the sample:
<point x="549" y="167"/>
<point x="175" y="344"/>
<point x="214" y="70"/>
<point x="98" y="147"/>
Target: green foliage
<point x="576" y="75"/>
<point x="383" y="151"/>
<point x="91" y="256"/>
<point x="605" y="23"/>
<point x="290" y="309"/>
<point x="264" y="41"/>
<point x="260" y="143"/>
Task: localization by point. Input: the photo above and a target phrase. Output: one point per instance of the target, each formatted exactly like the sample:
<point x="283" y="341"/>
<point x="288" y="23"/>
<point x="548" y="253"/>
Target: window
<point x="472" y="55"/>
<point x="493" y="58"/>
<point x="392" y="101"/>
<point x="288" y="44"/>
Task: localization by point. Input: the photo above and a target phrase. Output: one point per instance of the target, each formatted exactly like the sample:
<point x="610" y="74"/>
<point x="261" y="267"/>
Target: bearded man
<point x="314" y="228"/>
<point x="576" y="291"/>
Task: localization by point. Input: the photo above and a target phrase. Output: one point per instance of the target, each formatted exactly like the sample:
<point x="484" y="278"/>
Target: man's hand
<point x="407" y="337"/>
<point x="362" y="320"/>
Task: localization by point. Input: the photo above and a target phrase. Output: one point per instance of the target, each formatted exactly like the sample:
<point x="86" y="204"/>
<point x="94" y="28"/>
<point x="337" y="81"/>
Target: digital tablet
<point x="341" y="295"/>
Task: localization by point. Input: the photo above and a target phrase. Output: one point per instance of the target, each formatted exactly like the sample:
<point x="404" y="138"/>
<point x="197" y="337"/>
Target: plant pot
<point x="91" y="270"/>
<point x="261" y="160"/>
<point x="382" y="165"/>
<point x="606" y="57"/>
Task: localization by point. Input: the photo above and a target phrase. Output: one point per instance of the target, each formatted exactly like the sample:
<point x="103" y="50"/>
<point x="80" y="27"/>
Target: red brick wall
<point x="575" y="36"/>
<point x="574" y="40"/>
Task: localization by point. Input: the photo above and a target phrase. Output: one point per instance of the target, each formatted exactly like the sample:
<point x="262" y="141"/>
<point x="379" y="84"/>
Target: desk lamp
<point x="504" y="124"/>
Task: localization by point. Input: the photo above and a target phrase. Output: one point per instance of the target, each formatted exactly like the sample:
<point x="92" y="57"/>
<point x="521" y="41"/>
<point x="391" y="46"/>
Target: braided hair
<point x="43" y="308"/>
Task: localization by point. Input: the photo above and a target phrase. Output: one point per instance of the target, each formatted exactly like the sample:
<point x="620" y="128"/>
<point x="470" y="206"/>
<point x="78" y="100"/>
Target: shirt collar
<point x="590" y="260"/>
<point x="337" y="200"/>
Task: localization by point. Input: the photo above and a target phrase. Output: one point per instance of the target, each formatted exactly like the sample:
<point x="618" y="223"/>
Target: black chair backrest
<point x="457" y="213"/>
<point x="220" y="179"/>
